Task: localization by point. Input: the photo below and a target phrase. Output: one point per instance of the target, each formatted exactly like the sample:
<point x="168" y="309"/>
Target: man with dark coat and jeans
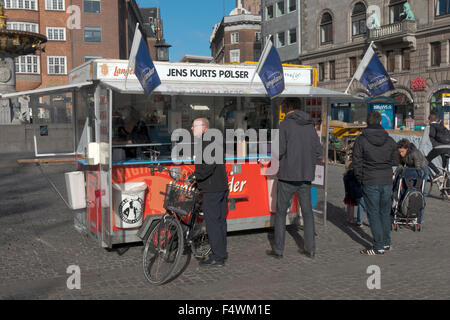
<point x="299" y="149"/>
<point x="374" y="155"/>
<point x="212" y="181"/>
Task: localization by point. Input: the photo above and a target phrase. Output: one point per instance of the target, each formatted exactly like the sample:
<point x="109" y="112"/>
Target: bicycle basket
<point x="180" y="197"/>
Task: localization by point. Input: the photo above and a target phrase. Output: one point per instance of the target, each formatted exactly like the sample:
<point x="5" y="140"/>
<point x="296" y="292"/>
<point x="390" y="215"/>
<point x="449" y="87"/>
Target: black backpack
<point x="442" y="134"/>
<point x="413" y="201"/>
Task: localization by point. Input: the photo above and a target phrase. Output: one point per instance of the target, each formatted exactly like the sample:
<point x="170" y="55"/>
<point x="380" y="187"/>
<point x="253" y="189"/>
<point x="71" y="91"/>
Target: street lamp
<point x="162" y="50"/>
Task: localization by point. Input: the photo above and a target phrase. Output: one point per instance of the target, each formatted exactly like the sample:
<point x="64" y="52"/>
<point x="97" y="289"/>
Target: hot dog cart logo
<point x="130" y="210"/>
<point x="105" y="69"/>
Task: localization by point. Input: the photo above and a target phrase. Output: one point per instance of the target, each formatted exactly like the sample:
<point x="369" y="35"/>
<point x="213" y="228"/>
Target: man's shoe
<point x="310" y="255"/>
<point x="387" y="248"/>
<point x="211" y="263"/>
<point x="273" y="254"/>
<point x="372" y="252"/>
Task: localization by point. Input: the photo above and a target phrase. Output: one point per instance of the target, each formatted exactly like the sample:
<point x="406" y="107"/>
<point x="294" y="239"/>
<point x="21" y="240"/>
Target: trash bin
<point x="76" y="190"/>
<point x="128" y="204"/>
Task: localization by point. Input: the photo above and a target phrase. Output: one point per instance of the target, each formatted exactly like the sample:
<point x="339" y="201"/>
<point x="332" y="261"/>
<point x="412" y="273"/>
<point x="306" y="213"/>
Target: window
<point x="88" y="58"/>
<point x="292" y="5"/>
<point x="359" y="19"/>
<point x="436" y="54"/>
<point x="280" y="8"/>
<point x="257" y="54"/>
<point x="352" y="66"/>
<point x="91" y="6"/>
<point x="21" y="4"/>
<point x="326" y="29"/>
<point x="56" y="65"/>
<point x="332" y="65"/>
<point x="269" y="12"/>
<point x="390" y="61"/>
<point x="281" y="42"/>
<point x="27" y="64"/>
<point x="56" y="34"/>
<point x="395" y="9"/>
<point x="235" y="55"/>
<point x="257" y="36"/>
<point x="292" y="36"/>
<point x="406" y="59"/>
<point x="23" y="26"/>
<point x="442" y="7"/>
<point x="235" y="37"/>
<point x="321" y="71"/>
<point x="54" y="5"/>
<point x="92" y="34"/>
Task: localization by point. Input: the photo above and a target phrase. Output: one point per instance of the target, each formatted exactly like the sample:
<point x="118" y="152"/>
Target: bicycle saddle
<point x="178" y="211"/>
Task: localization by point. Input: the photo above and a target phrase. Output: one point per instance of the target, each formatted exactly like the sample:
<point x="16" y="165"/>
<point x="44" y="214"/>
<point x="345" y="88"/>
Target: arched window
<point x="326" y="28"/>
<point x="359" y="19"/>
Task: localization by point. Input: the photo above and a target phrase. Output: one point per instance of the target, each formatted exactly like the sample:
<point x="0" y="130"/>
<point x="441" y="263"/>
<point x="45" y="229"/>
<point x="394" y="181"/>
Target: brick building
<point x="414" y="48"/>
<point x="237" y="38"/>
<point x="252" y="6"/>
<point x="77" y="31"/>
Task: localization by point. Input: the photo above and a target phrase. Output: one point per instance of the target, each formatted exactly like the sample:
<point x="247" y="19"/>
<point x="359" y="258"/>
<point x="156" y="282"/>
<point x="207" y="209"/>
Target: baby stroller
<point x="408" y="200"/>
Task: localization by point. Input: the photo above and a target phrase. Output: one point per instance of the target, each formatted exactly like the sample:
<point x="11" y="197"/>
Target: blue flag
<point x="141" y="63"/>
<point x="270" y="70"/>
<point x="372" y="74"/>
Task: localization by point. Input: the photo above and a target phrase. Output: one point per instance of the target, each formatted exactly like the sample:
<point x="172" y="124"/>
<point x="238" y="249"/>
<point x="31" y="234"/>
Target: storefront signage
<point x="419" y="84"/>
<point x="446" y="99"/>
<point x="182" y="72"/>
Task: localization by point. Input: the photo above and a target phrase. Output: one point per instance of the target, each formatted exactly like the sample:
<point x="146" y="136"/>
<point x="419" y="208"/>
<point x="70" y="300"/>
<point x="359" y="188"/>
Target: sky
<point x="188" y="24"/>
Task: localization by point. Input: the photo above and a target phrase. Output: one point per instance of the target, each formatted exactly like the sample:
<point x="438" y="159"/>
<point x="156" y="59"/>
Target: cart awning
<point x="257" y="90"/>
<point x="45" y="91"/>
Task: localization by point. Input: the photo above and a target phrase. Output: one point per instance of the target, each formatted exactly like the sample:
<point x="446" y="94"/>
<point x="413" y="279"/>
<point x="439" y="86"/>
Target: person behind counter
<point x="131" y="129"/>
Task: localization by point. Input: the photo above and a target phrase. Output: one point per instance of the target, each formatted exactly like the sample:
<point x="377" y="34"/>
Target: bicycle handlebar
<point x="162" y="168"/>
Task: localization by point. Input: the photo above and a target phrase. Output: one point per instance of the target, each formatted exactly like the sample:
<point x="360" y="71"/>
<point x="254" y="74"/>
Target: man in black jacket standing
<point x="374" y="155"/>
<point x="213" y="183"/>
<point x="299" y="149"/>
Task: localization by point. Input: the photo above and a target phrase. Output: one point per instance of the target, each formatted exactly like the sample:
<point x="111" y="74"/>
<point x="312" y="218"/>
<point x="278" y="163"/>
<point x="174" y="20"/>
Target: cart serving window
<point x="121" y="134"/>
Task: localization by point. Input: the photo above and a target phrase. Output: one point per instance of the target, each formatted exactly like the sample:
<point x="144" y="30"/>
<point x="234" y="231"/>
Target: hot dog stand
<point x="110" y="166"/>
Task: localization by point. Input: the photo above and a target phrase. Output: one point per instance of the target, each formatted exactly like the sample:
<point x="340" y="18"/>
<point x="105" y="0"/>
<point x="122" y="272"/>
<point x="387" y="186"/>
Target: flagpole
<point x="353" y="78"/>
<point x="262" y="55"/>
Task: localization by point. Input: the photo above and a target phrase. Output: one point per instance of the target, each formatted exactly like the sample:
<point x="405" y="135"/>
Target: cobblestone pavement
<point x="38" y="242"/>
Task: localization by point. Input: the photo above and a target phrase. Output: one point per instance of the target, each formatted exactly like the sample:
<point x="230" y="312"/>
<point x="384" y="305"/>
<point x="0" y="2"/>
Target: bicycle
<point x="443" y="182"/>
<point x="181" y="229"/>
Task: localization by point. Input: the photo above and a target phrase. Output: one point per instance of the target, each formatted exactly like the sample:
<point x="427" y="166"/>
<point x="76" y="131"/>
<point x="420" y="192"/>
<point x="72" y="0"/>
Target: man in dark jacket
<point x="374" y="155"/>
<point x="299" y="148"/>
<point x="439" y="148"/>
<point x="213" y="183"/>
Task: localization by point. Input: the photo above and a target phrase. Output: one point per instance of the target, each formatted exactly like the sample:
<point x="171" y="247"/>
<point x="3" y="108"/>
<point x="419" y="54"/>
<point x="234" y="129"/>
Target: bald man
<point x="213" y="183"/>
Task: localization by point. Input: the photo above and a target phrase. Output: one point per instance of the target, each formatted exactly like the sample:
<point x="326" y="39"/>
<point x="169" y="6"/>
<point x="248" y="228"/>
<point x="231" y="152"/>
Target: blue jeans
<point x="377" y="199"/>
<point x="361" y="208"/>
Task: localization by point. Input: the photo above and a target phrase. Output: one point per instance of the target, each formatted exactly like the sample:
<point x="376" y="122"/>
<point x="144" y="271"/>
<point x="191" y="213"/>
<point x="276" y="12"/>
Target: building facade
<point x="77" y="31"/>
<point x="252" y="6"/>
<point x="237" y="38"/>
<point x="282" y="21"/>
<point x="412" y="39"/>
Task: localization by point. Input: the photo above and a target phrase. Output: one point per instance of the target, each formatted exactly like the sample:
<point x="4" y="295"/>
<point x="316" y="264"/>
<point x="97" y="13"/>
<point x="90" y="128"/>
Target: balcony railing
<point x="393" y="30"/>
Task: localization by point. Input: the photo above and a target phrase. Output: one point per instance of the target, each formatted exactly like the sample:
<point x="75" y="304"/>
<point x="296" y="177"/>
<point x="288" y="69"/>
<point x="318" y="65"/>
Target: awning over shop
<point x="257" y="90"/>
<point x="46" y="91"/>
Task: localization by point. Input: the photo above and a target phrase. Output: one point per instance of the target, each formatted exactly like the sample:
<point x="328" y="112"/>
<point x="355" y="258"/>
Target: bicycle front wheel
<point x="163" y="250"/>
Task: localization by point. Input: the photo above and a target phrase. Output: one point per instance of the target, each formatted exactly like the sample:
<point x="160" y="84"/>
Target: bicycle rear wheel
<point x="200" y="245"/>
<point x="163" y="250"/>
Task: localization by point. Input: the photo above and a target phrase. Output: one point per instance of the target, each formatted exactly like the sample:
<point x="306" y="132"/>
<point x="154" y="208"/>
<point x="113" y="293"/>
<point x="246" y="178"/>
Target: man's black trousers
<point x="435" y="153"/>
<point x="214" y="207"/>
<point x="285" y="192"/>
